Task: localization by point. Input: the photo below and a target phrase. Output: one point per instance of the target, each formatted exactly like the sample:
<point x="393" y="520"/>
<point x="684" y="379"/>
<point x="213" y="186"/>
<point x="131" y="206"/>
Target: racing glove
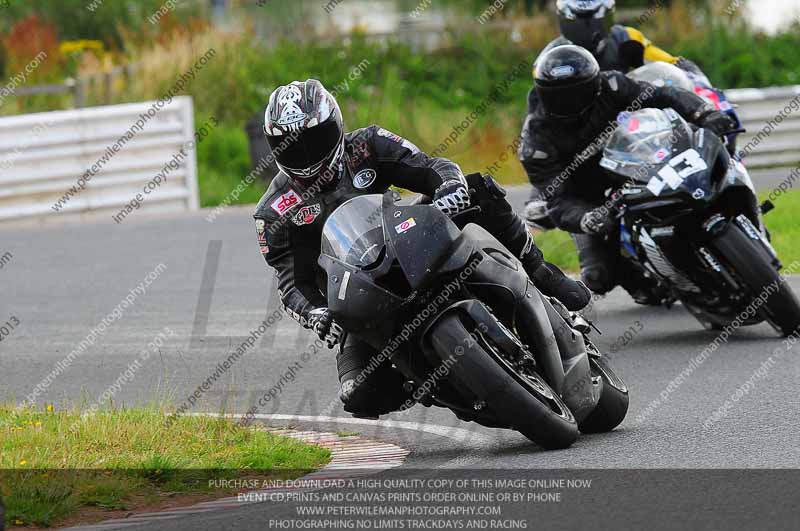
<point x="688" y="66"/>
<point x="536" y="215"/>
<point x="452" y="197"/>
<point x="597" y="222"/>
<point x="717" y="122"/>
<point x="320" y="320"/>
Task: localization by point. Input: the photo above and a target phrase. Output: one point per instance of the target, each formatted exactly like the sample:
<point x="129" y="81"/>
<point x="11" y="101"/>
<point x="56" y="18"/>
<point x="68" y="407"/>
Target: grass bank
<point x="57" y="467"/>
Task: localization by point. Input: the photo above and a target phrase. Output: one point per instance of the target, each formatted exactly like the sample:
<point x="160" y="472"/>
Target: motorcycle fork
<point x="558" y="348"/>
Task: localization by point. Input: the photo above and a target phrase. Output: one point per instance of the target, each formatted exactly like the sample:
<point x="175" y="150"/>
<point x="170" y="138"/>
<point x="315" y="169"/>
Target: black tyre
<point x="613" y="404"/>
<point x="750" y="263"/>
<point x="481" y="375"/>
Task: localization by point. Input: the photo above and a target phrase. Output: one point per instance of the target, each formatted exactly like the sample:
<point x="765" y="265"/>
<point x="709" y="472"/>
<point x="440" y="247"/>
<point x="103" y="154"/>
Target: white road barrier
<point x="772" y="119"/>
<point x="96" y="160"/>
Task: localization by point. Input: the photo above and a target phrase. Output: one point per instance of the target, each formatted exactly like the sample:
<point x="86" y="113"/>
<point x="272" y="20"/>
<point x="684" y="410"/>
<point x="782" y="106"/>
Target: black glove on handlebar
<point x="717" y="122"/>
<point x="689" y="66"/>
<point x="598" y="222"/>
<point x="321" y="322"/>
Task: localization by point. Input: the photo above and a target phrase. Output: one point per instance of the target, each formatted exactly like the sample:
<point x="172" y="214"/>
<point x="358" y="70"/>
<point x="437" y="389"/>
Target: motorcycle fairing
<point x="355" y="299"/>
<point x="419" y="237"/>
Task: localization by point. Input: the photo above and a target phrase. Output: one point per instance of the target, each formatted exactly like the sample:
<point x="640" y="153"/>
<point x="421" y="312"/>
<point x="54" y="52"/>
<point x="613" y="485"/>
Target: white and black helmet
<point x="305" y="130"/>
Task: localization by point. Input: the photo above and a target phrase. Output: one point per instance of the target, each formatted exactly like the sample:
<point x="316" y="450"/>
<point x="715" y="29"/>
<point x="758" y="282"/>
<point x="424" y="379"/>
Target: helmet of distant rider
<point x="567" y="80"/>
<point x="585" y="22"/>
<point x="305" y="130"/>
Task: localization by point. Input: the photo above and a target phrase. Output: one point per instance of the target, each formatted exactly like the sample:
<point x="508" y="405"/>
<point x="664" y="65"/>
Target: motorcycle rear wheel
<point x="481" y="375"/>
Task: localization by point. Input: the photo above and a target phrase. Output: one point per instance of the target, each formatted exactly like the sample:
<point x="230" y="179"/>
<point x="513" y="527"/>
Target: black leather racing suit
<point x="562" y="159"/>
<point x="623" y="49"/>
<point x="289" y="223"/>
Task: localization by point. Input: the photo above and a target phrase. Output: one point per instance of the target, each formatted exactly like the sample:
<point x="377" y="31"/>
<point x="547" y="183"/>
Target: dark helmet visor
<point x="303" y="150"/>
<point x="584" y="31"/>
<point x="569" y="101"/>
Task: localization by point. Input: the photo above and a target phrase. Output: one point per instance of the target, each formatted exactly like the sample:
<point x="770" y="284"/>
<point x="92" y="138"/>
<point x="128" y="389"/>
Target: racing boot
<point x="551" y="281"/>
<point x="645" y="297"/>
<point x="644" y="290"/>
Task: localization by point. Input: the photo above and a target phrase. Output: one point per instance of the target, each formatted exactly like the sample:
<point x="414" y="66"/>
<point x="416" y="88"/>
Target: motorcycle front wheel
<point x="613" y="404"/>
<point x="484" y="377"/>
<point x="752" y="266"/>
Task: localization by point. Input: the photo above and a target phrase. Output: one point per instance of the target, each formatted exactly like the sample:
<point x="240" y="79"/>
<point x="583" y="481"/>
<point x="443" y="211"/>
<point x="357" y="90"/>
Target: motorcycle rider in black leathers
<point x="574" y="112"/>
<point x="321" y="168"/>
<point x="590" y="25"/>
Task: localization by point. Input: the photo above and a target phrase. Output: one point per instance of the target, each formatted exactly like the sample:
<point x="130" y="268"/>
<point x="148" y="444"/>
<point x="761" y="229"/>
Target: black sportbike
<point x="454" y="311"/>
<point x="690" y="217"/>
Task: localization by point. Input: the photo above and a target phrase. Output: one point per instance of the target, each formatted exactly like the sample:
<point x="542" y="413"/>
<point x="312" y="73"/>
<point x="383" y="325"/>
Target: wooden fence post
<point x="79" y="93"/>
<point x="108" y="82"/>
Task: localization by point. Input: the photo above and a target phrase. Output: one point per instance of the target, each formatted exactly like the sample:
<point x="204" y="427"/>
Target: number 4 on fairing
<point x="691" y="163"/>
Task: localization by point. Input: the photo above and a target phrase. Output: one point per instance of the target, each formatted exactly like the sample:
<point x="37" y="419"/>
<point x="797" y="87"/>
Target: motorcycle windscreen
<point x="642" y="141"/>
<point x="663" y="74"/>
<point x="354" y="232"/>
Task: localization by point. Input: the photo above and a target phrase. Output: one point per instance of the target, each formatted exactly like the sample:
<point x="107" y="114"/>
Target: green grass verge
<point x="783" y="226"/>
<point x="559" y="249"/>
<point x="55" y="465"/>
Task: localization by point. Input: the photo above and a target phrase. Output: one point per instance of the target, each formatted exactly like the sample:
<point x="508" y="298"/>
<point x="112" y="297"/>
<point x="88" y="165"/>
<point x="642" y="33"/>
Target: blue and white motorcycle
<point x="689" y="216"/>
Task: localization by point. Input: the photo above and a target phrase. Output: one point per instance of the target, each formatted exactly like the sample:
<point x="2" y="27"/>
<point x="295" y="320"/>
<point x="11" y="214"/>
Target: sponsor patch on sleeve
<point x="307" y="215"/>
<point x="286" y="202"/>
<point x="261" y="232"/>
<point x="399" y="139"/>
<point x="388" y="134"/>
<point x="364" y="178"/>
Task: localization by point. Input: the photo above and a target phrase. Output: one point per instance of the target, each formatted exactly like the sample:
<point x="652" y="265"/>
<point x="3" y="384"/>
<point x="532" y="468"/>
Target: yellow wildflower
<point x="68" y="47"/>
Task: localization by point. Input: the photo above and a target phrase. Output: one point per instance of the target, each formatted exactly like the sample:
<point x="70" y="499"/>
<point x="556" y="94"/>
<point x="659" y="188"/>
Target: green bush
<point x="734" y="57"/>
<point x="222" y="162"/>
<point x="422" y="95"/>
<point x="75" y="20"/>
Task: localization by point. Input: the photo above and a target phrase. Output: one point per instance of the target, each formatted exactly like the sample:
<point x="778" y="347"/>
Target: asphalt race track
<point x="64" y="279"/>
